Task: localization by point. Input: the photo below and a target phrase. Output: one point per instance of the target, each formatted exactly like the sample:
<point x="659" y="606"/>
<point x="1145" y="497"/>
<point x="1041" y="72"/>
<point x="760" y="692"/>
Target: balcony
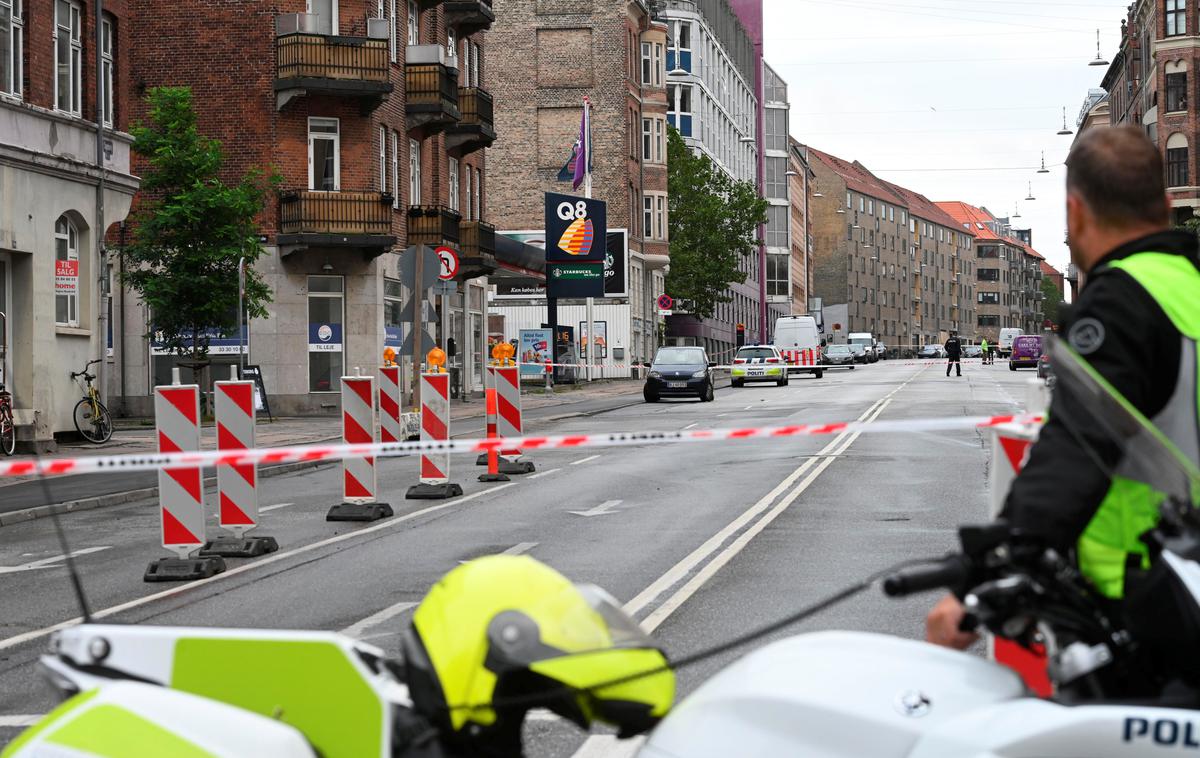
<point x="309" y="62"/>
<point x="361" y="220"/>
<point x="468" y="16"/>
<point x="434" y="225"/>
<point x="431" y="81"/>
<point x="476" y="129"/>
<point x="477" y="253"/>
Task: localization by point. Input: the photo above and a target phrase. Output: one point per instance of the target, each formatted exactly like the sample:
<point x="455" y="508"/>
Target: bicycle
<point x="8" y="427"/>
<point x="91" y="417"/>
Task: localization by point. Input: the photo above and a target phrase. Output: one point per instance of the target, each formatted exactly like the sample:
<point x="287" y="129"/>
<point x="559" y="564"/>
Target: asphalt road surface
<point x="701" y="541"/>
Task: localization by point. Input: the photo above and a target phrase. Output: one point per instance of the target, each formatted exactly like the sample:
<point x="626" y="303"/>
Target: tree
<point x="1053" y="301"/>
<point x="713" y="226"/>
<point x="190" y="230"/>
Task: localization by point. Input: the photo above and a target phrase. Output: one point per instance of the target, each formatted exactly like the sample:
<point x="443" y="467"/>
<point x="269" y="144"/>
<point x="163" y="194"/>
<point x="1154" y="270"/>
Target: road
<point x="701" y="541"/>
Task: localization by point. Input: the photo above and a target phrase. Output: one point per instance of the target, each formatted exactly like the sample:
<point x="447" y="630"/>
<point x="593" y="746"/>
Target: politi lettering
<point x="1163" y="732"/>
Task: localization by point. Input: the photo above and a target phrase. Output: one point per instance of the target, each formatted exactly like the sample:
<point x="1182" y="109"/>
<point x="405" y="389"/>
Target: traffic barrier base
<point x="359" y="512"/>
<point x="239" y="547"/>
<point x="509" y="464"/>
<point x="443" y="491"/>
<point x="184" y="569"/>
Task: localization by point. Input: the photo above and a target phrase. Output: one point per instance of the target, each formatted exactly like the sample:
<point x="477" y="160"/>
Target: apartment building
<point x="777" y="189"/>
<point x="555" y="53"/>
<point x="65" y="183"/>
<point x="715" y="70"/>
<point x="800" y="188"/>
<point x="374" y="115"/>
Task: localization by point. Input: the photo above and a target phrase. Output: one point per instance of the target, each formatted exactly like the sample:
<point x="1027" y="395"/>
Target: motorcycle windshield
<point x="1098" y="408"/>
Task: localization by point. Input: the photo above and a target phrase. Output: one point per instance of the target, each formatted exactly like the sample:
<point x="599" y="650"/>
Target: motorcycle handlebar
<point x="947" y="573"/>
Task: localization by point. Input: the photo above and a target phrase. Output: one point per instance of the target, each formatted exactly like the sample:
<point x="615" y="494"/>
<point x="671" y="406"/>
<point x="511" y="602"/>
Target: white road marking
<point x="49" y="562"/>
<point x="544" y="473"/>
<point x="274" y="507"/>
<point x="673" y="575"/>
<point x="584" y="460"/>
<point x="689" y="426"/>
<point x="604" y="509"/>
<point x="608" y="746"/>
<point x="20" y="720"/>
<point x="748" y="408"/>
<point x="356" y="629"/>
<point x="520" y="548"/>
<point x="13" y="641"/>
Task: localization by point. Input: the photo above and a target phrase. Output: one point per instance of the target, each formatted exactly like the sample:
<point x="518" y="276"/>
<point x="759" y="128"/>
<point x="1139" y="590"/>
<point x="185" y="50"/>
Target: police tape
<point x="321" y="453"/>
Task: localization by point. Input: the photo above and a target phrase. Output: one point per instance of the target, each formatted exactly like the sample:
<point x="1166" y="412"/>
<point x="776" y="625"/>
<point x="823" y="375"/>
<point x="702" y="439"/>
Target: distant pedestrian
<point x="953" y="353"/>
<point x="986" y="351"/>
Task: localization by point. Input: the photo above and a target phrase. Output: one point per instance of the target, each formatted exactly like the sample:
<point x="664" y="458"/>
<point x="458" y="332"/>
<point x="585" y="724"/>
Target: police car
<point x="759" y="363"/>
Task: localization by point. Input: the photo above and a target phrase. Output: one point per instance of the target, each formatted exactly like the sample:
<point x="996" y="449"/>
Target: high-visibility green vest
<point x="1130" y="508"/>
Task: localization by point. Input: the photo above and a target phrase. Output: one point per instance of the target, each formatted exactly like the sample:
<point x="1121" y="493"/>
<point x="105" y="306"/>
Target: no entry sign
<point x="449" y="261"/>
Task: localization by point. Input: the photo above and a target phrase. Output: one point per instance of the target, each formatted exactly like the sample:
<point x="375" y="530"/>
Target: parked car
<point x="867" y="340"/>
<point x="1026" y="352"/>
<point x="758" y="363"/>
<point x="839" y="355"/>
<point x="973" y="351"/>
<point x="881" y="351"/>
<point x="932" y="351"/>
<point x="861" y="352"/>
<point x="679" y="372"/>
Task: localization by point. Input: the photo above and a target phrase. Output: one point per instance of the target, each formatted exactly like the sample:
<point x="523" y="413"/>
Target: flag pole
<point x="587" y="193"/>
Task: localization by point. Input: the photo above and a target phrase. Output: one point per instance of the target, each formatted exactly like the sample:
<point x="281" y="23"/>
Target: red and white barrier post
<point x="359" y="482"/>
<point x="492" y="457"/>
<point x="180" y="489"/>
<point x="391" y="426"/>
<point x="1009" y="453"/>
<point x="237" y="484"/>
<point x="506" y="380"/>
<point x="435" y="426"/>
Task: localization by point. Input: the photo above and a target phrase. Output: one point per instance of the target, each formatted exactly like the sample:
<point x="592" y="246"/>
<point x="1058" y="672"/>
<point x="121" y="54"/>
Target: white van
<point x="1006" y="340"/>
<point x="798" y="338"/>
<point x="867" y="340"/>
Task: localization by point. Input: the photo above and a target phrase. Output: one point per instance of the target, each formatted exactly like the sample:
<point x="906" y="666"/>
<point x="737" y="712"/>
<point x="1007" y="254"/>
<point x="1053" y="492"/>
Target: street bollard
<point x="359" y="481"/>
<point x="180" y="489"/>
<point x="237" y="485"/>
<point x="492" y="456"/>
<point x="391" y="428"/>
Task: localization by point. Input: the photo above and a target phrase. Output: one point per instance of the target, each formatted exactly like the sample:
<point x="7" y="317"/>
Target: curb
<point x="122" y="498"/>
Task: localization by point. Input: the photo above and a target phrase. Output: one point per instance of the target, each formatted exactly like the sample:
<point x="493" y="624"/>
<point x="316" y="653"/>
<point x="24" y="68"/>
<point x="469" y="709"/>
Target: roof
<point x="1049" y="270"/>
<point x="856" y="176"/>
<point x="924" y="208"/>
<point x="968" y="216"/>
<point x="1029" y="250"/>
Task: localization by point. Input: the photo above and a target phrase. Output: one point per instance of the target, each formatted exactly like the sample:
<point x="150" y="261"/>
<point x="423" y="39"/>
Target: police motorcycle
<point x="1127" y="683"/>
<point x="501" y="635"/>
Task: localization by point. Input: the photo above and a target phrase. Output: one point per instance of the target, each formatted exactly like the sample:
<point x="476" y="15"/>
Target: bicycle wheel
<point x="8" y="433"/>
<point x="95" y="427"/>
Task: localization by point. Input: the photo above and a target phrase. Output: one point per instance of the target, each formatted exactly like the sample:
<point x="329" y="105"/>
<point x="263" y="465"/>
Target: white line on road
<point x="689" y="426"/>
<point x="520" y="548"/>
<point x="584" y="460"/>
<point x="20" y="720"/>
<point x="544" y="473"/>
<point x="48" y="562"/>
<point x="604" y="509"/>
<point x="274" y="507"/>
<point x="356" y="629"/>
<point x="11" y="642"/>
<point x="608" y="746"/>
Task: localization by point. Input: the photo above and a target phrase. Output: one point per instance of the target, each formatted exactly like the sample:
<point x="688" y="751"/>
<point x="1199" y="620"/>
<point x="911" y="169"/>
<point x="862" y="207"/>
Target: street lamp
<point x="1043" y="169"/>
<point x="1031" y="197"/>
<point x="1065" y="131"/>
<point x="678" y="72"/>
<point x="1017" y="212"/>
<point x="1099" y="61"/>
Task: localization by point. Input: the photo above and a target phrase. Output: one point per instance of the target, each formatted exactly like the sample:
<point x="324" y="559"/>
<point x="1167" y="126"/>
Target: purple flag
<point x="582" y="159"/>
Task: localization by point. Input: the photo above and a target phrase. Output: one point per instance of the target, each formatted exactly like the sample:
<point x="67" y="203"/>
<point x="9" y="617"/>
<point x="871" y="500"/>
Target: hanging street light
<point x="1099" y="61"/>
<point x="1043" y="169"/>
<point x="1065" y="131"/>
<point x="1031" y="197"/>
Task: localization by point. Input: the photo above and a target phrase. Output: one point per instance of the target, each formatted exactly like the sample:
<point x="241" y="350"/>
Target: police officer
<point x="1137" y="323"/>
<point x="953" y="353"/>
<point x="985" y="351"/>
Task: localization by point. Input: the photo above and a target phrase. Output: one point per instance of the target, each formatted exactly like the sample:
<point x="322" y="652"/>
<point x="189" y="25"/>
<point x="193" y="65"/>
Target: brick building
<point x="373" y="114"/>
<point x="65" y="182"/>
<point x="800" y="188"/>
<point x="555" y="52"/>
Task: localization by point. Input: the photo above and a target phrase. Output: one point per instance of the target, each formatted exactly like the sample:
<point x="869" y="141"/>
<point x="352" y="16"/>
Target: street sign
<point x="665" y="312"/>
<point x="449" y="263"/>
<point x="445" y="288"/>
<point x="575" y="280"/>
<point x="665" y="302"/>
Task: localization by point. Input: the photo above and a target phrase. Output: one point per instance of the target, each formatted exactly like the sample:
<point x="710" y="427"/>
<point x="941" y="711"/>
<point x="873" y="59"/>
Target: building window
<point x="679" y="108"/>
<point x="453" y="183"/>
<point x="106" y="71"/>
<point x="393" y="32"/>
<point x="1177" y="91"/>
<point x="68" y="57"/>
<point x="478" y="193"/>
<point x="414" y="23"/>
<point x="654" y="216"/>
<point x="647" y="139"/>
<point x="777" y="226"/>
<point x="778" y="275"/>
<point x="776" y="129"/>
<point x="1176" y="15"/>
<point x="1177" y="161"/>
<point x="11" y="47"/>
<point x="323" y="155"/>
<point x="393" y="309"/>
<point x="395" y="169"/>
<point x="988" y="321"/>
<point x="652" y="64"/>
<point x="414" y="172"/>
<point x="383" y="161"/>
<point x="989" y="298"/>
<point x="66" y="273"/>
<point x="775" y="178"/>
<point x="325" y="321"/>
<point x="451" y="43"/>
<point x="989" y="275"/>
